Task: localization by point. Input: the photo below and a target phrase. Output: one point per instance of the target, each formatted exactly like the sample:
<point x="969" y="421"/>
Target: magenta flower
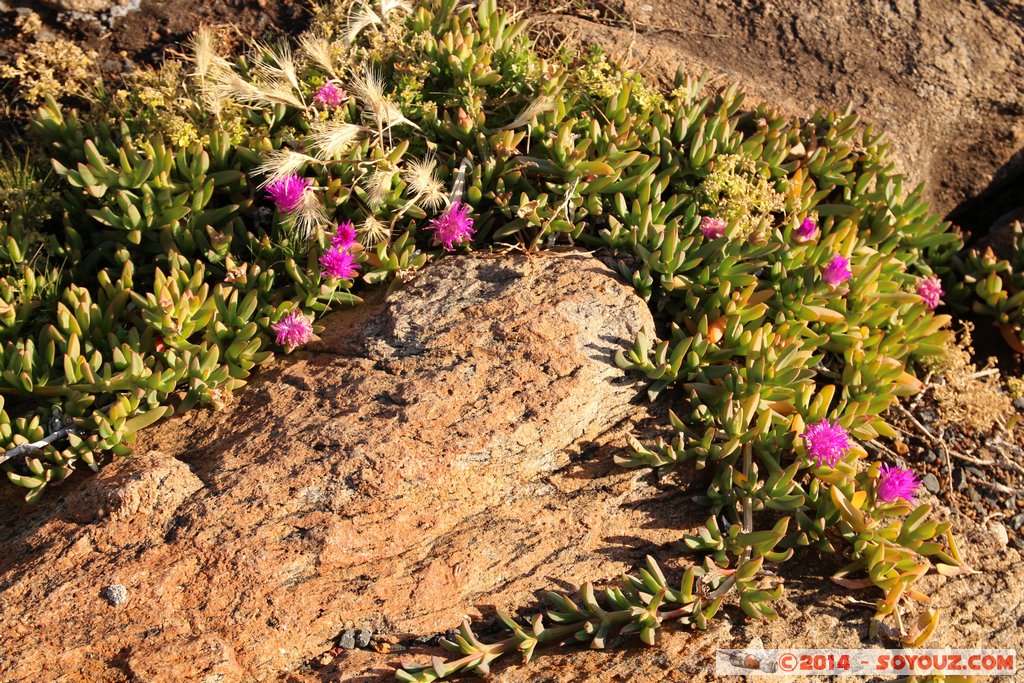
<point x="806" y="230"/>
<point x="452" y="227"/>
<point x="293" y="330"/>
<point x="328" y="96"/>
<point x="895" y="483"/>
<point x="930" y="290"/>
<point x="344" y="236"/>
<point x="339" y="263"/>
<point x="826" y="443"/>
<point x="837" y="271"/>
<point x="712" y="228"/>
<point x="287" y="192"/>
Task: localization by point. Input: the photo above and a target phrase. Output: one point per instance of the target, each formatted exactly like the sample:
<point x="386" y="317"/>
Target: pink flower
<point x="293" y="330"/>
<point x="452" y="227"/>
<point x="338" y="263"/>
<point x="712" y="228"/>
<point x="344" y="236"/>
<point x="895" y="483"/>
<point x="827" y="443"/>
<point x="806" y="230"/>
<point x="287" y="192"/>
<point x="930" y="290"/>
<point x="329" y="96"/>
<point x="837" y="271"/>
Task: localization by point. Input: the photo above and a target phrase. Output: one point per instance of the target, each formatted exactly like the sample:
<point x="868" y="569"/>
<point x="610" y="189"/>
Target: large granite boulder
<point x="417" y="459"/>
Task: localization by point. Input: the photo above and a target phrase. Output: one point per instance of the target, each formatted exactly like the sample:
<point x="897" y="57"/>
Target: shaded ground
<point x="124" y="36"/>
<point x="143" y="35"/>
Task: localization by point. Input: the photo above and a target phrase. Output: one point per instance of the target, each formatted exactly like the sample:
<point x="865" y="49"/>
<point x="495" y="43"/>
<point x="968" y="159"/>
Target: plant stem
<point x="748" y="514"/>
<point x="37" y="445"/>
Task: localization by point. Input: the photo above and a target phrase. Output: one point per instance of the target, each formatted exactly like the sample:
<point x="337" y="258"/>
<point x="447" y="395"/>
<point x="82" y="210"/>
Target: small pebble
<point x="1018" y="403"/>
<point x="348" y="640"/>
<point x="999" y="531"/>
<point x="931" y="482"/>
<point x="1018" y="521"/>
<point x="115" y="594"/>
<point x="929" y="456"/>
<point x="364" y="637"/>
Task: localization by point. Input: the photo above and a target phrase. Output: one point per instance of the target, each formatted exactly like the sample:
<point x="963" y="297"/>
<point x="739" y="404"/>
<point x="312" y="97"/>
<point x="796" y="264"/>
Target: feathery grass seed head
<point x="421" y="177"/>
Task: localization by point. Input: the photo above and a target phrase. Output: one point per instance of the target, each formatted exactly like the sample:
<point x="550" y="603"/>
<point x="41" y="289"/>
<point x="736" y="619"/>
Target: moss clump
<point x="741" y="192"/>
<point x="58" y="68"/>
<point x="600" y="78"/>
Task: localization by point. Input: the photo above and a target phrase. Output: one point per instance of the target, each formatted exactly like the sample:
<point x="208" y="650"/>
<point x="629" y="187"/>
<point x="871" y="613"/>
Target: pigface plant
<point x="208" y="220"/>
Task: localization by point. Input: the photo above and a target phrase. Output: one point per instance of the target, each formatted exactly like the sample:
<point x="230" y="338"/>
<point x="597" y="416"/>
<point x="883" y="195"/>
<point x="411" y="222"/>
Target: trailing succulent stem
<point x="640" y="604"/>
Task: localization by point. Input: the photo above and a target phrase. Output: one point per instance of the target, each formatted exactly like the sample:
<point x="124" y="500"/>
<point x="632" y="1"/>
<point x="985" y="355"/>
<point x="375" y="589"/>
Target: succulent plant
<point x="992" y="285"/>
<point x="781" y="257"/>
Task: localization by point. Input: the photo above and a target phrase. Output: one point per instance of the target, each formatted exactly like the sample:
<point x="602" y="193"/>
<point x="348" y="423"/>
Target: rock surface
<point x="943" y="79"/>
<point x="432" y="449"/>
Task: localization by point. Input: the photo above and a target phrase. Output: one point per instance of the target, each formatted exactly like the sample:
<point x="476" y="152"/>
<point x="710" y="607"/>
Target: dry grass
<point x="969" y="397"/>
